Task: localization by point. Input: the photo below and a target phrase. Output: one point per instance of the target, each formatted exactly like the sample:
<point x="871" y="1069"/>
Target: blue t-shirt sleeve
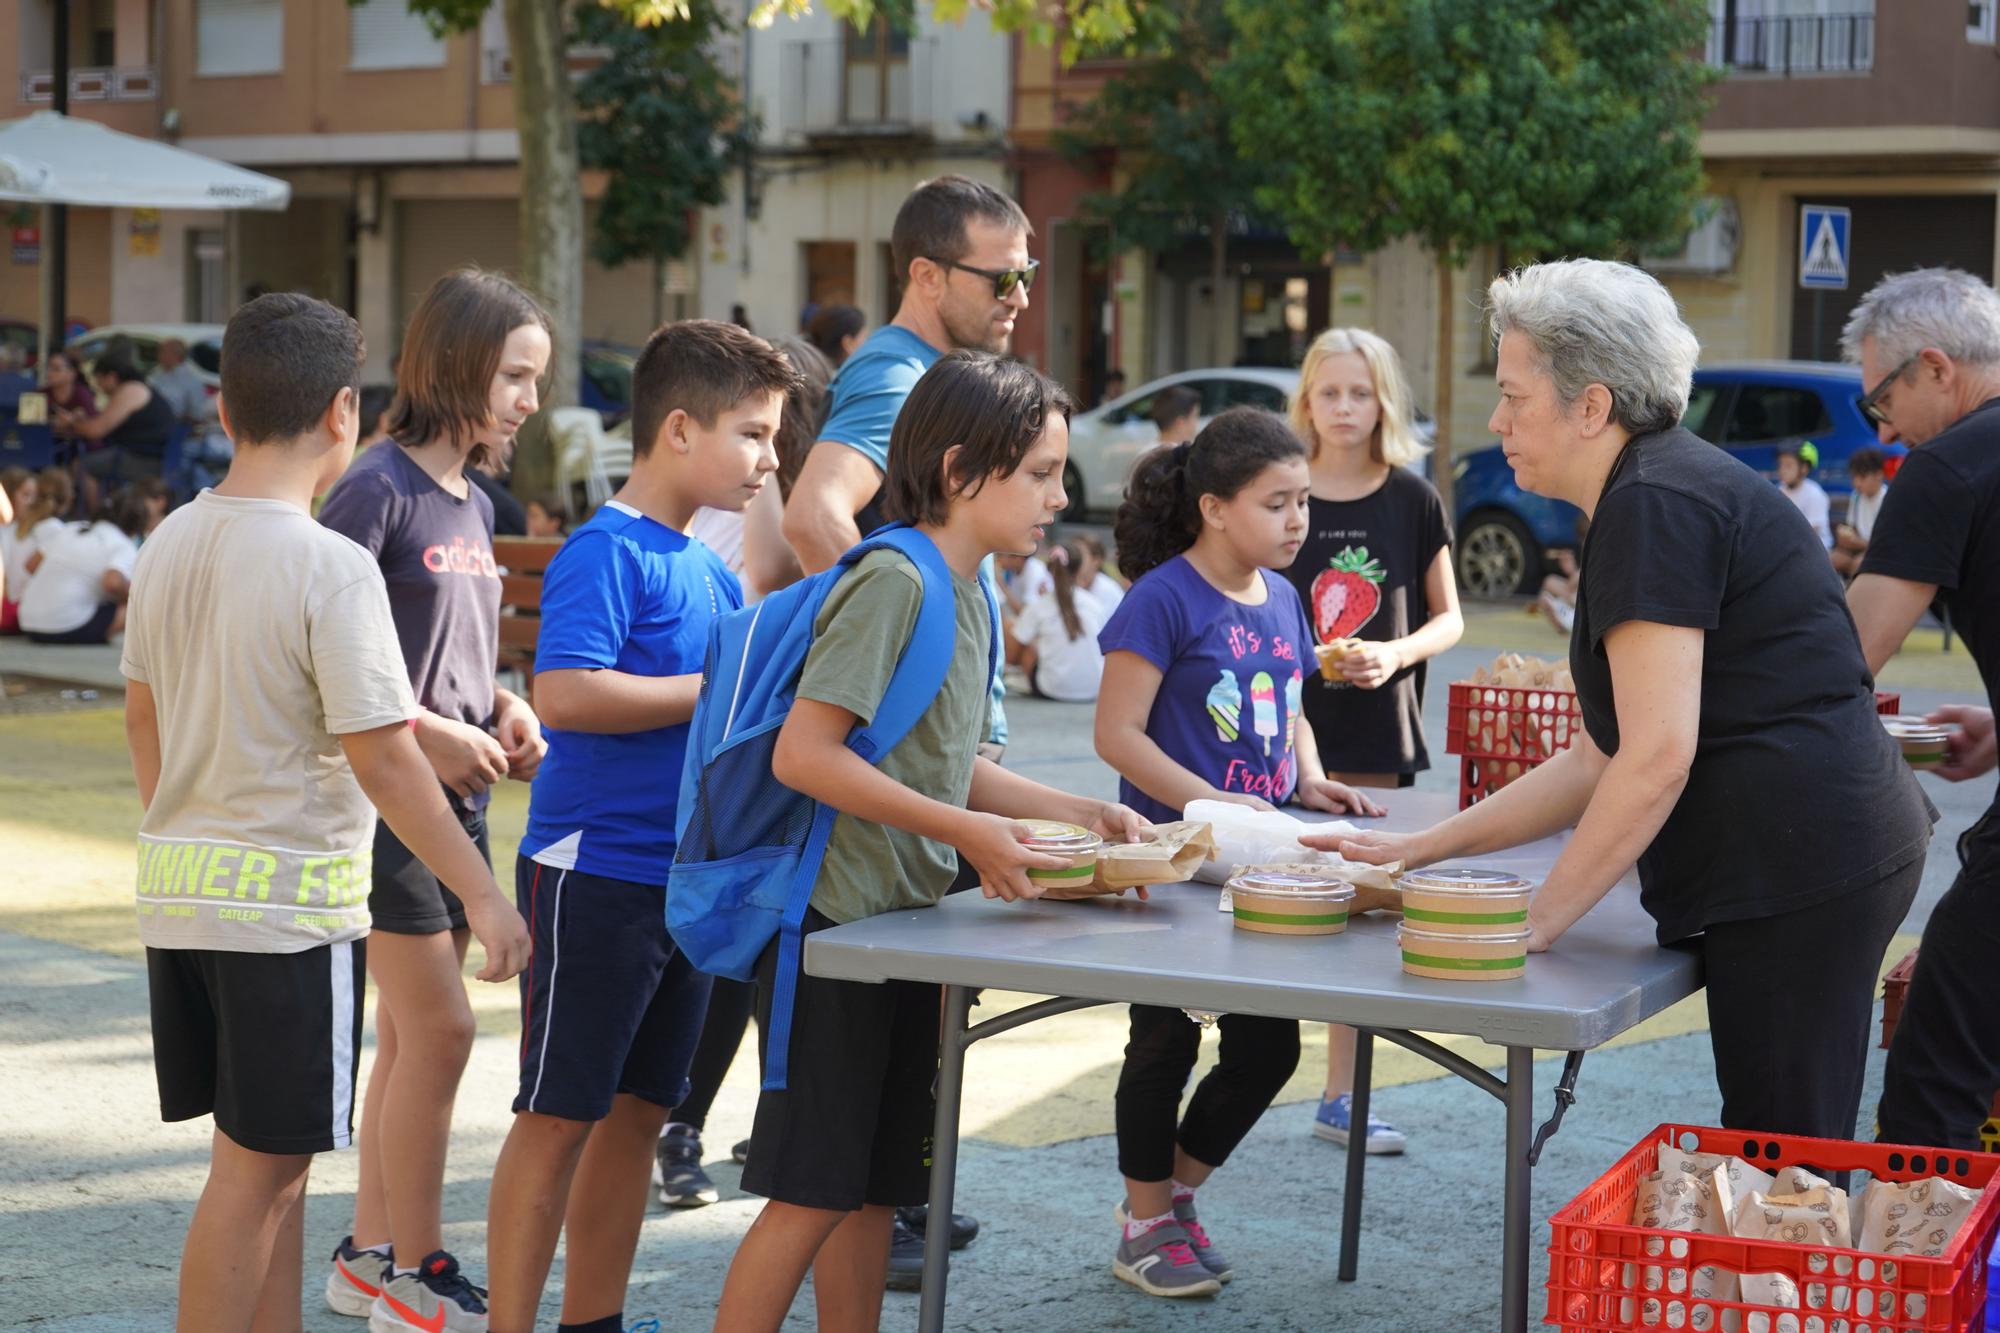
<point x="866" y="399"/>
<point x="359" y="508"/>
<point x="590" y="597"/>
<point x="1150" y="622"/>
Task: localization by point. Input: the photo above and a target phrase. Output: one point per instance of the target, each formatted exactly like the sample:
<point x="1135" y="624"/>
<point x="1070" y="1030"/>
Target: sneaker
<point x="437" y="1298"/>
<point x="356" y="1279"/>
<point x="964" y="1227"/>
<point x="906" y="1256"/>
<point x="1335" y="1118"/>
<point x="677" y="1169"/>
<point x="740" y="1153"/>
<point x="1161" y="1262"/>
<point x="1198" y="1241"/>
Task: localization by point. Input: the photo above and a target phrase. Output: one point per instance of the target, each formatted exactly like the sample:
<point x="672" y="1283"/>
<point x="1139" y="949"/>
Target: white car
<point x="1106" y="441"/>
<point x="204" y="344"/>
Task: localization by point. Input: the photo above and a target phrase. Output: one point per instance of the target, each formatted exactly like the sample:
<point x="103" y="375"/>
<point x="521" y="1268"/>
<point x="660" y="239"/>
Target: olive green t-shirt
<point x="861" y="632"/>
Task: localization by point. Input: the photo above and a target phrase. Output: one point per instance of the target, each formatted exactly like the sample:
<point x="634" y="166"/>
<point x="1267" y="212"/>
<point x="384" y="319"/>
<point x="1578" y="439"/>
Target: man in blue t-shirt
<point x="610" y="1010"/>
<point x="961" y="247"/>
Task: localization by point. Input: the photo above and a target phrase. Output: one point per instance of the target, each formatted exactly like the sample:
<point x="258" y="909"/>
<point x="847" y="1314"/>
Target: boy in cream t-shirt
<point x="267" y="715"/>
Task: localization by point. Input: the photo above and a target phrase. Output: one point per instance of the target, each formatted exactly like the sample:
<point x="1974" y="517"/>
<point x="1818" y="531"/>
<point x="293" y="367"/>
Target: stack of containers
<point x="1461" y="923"/>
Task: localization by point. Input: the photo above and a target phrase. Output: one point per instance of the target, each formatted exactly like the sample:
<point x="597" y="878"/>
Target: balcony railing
<point x="1797" y="44"/>
<point x="97" y="83"/>
<point x="828" y="91"/>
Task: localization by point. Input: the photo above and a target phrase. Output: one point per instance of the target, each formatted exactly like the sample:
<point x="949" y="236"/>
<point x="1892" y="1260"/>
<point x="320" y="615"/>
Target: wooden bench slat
<point x="520" y="632"/>
<point x="521" y="590"/>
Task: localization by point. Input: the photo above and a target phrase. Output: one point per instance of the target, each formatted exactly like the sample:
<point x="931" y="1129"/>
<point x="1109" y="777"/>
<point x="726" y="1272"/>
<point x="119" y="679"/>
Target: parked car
<point x="1106" y="441"/>
<point x="1746" y="407"/>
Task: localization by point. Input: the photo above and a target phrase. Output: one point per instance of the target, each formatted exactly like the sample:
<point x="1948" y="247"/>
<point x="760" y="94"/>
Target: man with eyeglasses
<point x="1929" y="347"/>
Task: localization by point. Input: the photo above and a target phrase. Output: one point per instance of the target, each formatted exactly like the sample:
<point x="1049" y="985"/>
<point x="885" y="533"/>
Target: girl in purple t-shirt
<point x="1204" y="672"/>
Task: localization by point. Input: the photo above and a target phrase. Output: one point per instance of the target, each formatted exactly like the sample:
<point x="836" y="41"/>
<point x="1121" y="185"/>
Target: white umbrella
<point x="49" y="158"/>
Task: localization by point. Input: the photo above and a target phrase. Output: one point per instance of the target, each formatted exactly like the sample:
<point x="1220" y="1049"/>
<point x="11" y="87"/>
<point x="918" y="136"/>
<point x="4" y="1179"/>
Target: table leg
<point x="944" y="1158"/>
<point x="1357" y="1153"/>
<point x="1520" y="1175"/>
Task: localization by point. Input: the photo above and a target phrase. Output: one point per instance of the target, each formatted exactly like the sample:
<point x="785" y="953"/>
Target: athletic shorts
<point x="608" y="1004"/>
<point x="269" y="1043"/>
<point x="407" y="898"/>
<point x="853" y="1125"/>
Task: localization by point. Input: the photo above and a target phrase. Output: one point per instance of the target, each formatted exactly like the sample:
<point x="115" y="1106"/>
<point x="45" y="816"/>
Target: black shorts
<point x="608" y="1004"/>
<point x="268" y="1042"/>
<point x="407" y="898"/>
<point x="853" y="1125"/>
<point x="97" y="629"/>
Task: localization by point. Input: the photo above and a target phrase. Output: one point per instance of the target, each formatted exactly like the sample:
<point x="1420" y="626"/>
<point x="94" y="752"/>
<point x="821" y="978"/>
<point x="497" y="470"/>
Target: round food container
<point x="1287" y="902"/>
<point x="1430" y="953"/>
<point x="1465" y="900"/>
<point x="1924" y="744"/>
<point x="1073" y="842"/>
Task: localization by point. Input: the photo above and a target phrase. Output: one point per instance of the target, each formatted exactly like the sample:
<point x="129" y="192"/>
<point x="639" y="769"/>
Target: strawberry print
<point x="1346" y="595"/>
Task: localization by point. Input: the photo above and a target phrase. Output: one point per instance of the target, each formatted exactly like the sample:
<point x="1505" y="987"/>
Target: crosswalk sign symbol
<point x="1825" y="232"/>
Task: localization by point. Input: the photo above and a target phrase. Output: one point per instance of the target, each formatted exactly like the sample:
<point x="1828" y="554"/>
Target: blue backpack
<point x="750" y="847"/>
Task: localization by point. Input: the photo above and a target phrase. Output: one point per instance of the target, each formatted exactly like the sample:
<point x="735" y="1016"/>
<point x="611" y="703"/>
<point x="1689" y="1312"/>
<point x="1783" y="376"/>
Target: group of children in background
<point x="316" y="730"/>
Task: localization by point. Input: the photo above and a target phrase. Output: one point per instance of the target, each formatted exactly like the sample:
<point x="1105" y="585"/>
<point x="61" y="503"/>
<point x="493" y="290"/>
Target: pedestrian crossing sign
<point x="1825" y="233"/>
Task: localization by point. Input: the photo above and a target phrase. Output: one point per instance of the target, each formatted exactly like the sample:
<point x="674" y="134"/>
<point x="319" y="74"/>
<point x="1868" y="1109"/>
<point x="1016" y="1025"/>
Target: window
<point x="384" y="34"/>
<point x="1767" y="412"/>
<point x="878" y="73"/>
<point x="1979" y="20"/>
<point x="1792" y="36"/>
<point x="239" y="37"/>
<point x="1218" y="395"/>
<point x="1700" y="417"/>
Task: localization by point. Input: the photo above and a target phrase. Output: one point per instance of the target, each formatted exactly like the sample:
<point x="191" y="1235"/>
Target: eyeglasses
<point x="1871" y="399"/>
<point x="1004" y="280"/>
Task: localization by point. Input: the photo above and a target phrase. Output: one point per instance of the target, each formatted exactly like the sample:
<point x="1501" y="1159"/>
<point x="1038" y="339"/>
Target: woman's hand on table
<point x="1540" y="936"/>
<point x="1972" y="751"/>
<point x="1375" y="847"/>
<point x="1335" y="798"/>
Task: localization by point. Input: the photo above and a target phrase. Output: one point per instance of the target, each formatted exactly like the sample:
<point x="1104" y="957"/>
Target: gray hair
<point x="1944" y="308"/>
<point x="1591" y="321"/>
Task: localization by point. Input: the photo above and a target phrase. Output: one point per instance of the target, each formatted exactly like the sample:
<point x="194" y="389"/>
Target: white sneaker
<point x="355" y="1279"/>
<point x="436" y="1298"/>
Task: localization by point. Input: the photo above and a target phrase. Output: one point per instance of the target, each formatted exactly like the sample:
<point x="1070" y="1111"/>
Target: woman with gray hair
<point x="1730" y="745"/>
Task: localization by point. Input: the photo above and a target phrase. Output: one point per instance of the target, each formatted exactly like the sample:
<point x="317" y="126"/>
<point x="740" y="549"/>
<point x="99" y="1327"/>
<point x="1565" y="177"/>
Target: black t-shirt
<point x="1361" y="575"/>
<point x="1796" y="795"/>
<point x="510" y="516"/>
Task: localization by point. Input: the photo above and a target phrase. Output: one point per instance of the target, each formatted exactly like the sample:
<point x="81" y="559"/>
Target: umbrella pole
<point x="55" y="243"/>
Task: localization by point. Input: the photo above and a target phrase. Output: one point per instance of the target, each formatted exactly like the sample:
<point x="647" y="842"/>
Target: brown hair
<point x="1062" y="563"/>
<point x="55" y="493"/>
<point x="805" y="408"/>
<point x="931" y="224"/>
<point x="451" y="351"/>
<point x="284" y="358"/>
<point x="703" y="367"/>
<point x="994" y="409"/>
<point x="1174" y="402"/>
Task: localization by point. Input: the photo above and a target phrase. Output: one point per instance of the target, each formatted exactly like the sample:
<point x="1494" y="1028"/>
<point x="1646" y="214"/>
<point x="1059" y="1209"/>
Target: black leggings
<point x="729" y="1005"/>
<point x="1258" y="1056"/>
<point x="1791" y="1001"/>
<point x="1944" y="1060"/>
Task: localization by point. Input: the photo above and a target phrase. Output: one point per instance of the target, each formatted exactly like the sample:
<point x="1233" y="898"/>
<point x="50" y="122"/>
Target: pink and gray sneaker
<point x="1160" y="1261"/>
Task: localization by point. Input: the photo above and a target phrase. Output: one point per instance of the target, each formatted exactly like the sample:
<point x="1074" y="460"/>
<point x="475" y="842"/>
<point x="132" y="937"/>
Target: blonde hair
<point x="1395" y="440"/>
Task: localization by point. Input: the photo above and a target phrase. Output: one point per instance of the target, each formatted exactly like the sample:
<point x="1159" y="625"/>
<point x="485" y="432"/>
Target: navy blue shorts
<point x="608" y="1004"/>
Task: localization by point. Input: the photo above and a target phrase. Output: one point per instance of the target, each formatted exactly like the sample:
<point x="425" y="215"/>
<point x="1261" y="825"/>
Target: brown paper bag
<point x="1917" y="1217"/>
<point x="1170" y="854"/>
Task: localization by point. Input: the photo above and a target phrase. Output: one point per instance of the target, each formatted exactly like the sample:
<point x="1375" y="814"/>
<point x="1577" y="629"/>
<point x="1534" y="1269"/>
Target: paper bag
<point x="1170" y="854"/>
<point x="1816" y="1217"/>
<point x="1682" y="1200"/>
<point x="1917" y="1217"/>
<point x="1743" y="1177"/>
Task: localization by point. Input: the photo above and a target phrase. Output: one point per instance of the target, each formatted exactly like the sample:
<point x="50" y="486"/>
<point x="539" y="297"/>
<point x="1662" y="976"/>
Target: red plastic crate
<point x="1479" y="776"/>
<point x="1888" y="703"/>
<point x="1507" y="722"/>
<point x="1608" y="1276"/>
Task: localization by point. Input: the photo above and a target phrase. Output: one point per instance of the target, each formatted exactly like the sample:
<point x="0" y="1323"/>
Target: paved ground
<point x="95" y="1192"/>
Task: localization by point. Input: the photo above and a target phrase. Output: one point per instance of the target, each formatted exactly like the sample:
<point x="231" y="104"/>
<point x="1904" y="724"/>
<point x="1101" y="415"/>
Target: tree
<point x="1169" y="128"/>
<point x="1544" y="127"/>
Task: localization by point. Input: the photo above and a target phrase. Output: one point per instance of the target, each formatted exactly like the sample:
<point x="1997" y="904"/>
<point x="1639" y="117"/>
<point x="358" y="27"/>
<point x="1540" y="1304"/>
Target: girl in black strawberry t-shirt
<point x="1376" y="577"/>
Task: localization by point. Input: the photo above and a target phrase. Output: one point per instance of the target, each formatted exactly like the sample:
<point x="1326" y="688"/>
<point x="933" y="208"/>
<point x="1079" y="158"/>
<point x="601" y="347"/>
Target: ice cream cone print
<point x="1264" y="707"/>
<point x="1225" y="705"/>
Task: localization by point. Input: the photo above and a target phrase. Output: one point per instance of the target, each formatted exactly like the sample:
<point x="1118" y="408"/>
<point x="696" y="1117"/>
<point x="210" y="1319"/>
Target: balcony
<point x="1792" y="45"/>
<point x="102" y="83"/>
<point x="829" y="92"/>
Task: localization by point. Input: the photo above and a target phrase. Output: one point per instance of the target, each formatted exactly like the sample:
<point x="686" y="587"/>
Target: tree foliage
<point x="663" y="121"/>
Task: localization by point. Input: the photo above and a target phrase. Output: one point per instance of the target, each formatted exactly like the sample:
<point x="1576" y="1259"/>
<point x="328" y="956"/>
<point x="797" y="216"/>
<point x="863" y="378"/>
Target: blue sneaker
<point x="1336" y="1116"/>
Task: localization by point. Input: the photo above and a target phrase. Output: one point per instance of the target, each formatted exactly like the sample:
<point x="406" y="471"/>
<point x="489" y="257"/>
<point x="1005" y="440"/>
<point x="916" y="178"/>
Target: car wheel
<point x="1497" y="557"/>
<point x="1073" y="488"/>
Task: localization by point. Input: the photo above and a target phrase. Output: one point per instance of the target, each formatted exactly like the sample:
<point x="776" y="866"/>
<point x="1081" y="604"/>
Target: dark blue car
<point x="1746" y="407"/>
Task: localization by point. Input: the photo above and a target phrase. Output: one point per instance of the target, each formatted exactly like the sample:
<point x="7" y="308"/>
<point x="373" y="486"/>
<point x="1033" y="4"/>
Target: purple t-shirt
<point x="1233" y="678"/>
<point x="436" y="554"/>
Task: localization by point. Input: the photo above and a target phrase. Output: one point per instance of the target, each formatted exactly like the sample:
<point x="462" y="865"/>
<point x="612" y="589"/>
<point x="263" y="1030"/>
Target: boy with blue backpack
<point x="610" y="1009"/>
<point x="879" y="741"/>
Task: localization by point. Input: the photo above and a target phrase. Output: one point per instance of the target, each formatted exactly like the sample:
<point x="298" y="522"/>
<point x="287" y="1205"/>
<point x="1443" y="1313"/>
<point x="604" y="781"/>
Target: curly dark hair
<point x="1161" y="515"/>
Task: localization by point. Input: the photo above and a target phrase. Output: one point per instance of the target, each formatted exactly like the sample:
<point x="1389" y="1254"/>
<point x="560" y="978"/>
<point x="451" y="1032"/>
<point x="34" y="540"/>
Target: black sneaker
<point x="906" y="1256"/>
<point x="740" y="1153"/>
<point x="964" y="1228"/>
<point x="677" y="1169"/>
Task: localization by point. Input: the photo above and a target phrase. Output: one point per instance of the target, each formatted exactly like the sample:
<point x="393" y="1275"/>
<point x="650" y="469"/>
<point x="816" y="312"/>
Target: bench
<point x="523" y="561"/>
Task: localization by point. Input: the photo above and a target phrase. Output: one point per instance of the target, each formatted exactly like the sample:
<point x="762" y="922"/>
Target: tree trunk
<point x="1446" y="372"/>
<point x="1224" y="323"/>
<point x="551" y="214"/>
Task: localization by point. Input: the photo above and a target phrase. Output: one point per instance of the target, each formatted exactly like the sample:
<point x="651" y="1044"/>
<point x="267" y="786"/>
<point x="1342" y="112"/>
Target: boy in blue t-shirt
<point x="609" y="1009"/>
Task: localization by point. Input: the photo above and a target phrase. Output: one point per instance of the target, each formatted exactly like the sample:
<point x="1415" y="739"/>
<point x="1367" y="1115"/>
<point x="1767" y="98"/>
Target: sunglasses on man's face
<point x="1871" y="401"/>
<point x="1004" y="280"/>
